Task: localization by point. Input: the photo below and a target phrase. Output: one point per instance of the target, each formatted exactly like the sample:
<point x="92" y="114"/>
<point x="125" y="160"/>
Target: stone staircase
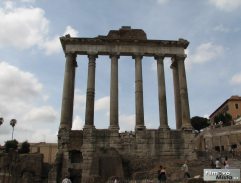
<point x="175" y="174"/>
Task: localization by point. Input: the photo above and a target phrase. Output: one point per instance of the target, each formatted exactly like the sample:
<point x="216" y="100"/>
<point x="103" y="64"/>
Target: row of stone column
<point x="180" y="91"/>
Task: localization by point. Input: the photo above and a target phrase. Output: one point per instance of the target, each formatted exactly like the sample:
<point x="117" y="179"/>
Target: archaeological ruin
<point x="98" y="155"/>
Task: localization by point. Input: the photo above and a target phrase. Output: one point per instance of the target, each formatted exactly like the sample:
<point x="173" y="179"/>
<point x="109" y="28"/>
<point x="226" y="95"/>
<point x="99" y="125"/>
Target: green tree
<point x="226" y="118"/>
<point x="11" y="144"/>
<point x="25" y="148"/>
<point x="199" y="123"/>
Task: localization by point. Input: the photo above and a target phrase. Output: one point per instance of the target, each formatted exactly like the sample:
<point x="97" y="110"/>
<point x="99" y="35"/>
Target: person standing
<point x="217" y="164"/>
<point x="226" y="164"/>
<point x="186" y="170"/>
<point x="66" y="179"/>
<point x="162" y="174"/>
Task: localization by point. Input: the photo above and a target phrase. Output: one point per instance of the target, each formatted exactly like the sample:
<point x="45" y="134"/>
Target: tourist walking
<point x="226" y="164"/>
<point x="186" y="170"/>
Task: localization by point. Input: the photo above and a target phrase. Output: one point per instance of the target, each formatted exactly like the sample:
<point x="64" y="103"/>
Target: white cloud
<point x="53" y="45"/>
<point x="43" y="135"/>
<point x="26" y="27"/>
<point x="236" y="79"/>
<point x="41" y="114"/>
<point x="127" y="122"/>
<point x="28" y="1"/>
<point x="162" y="1"/>
<point x="221" y="28"/>
<point x="206" y="52"/>
<point x="20" y="92"/>
<point x="206" y="116"/>
<point x="102" y="104"/>
<point x="16" y="84"/>
<point x="70" y="30"/>
<point x="78" y="123"/>
<point x="79" y="101"/>
<point x="23" y="27"/>
<point x="226" y="5"/>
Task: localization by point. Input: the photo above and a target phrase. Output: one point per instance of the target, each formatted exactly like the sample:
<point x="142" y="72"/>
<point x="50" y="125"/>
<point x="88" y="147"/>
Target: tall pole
<point x="12" y="132"/>
<point x="13" y="123"/>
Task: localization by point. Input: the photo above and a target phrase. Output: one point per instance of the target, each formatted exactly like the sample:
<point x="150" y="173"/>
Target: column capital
<point x="72" y="56"/>
<point x="69" y="54"/>
<point x="92" y="55"/>
<point x="159" y="56"/>
<point x="179" y="57"/>
<point x="173" y="64"/>
<point x="137" y="55"/>
<point x="117" y="55"/>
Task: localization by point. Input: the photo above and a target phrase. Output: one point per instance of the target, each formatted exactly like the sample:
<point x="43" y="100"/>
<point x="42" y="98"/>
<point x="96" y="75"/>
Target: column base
<point x="164" y="128"/>
<point x="64" y="126"/>
<point x="88" y="127"/>
<point x="140" y="127"/>
<point x="187" y="128"/>
<point x="114" y="128"/>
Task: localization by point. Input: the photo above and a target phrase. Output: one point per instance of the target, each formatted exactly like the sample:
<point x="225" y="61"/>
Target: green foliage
<point x="199" y="123"/>
<point x="226" y="118"/>
<point x="11" y="144"/>
<point x="25" y="148"/>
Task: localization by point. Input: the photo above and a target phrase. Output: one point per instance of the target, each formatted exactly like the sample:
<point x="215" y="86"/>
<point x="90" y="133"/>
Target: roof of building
<point x="232" y="98"/>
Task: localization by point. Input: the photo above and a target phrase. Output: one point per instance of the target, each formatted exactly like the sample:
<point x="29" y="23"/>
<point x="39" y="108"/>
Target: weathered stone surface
<point x="126" y="33"/>
<point x="24" y="168"/>
<point x="98" y="155"/>
<point x="105" y="154"/>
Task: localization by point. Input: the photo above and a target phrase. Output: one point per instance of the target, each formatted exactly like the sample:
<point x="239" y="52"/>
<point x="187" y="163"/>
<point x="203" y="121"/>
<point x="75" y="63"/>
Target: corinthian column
<point x="68" y="91"/>
<point x="161" y="92"/>
<point x="139" y="93"/>
<point x="177" y="98"/>
<point x="186" y="122"/>
<point x="90" y="96"/>
<point x="114" y="117"/>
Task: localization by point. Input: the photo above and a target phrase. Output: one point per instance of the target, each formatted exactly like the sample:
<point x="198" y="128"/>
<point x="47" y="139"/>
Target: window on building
<point x="236" y="106"/>
<point x="217" y="148"/>
<point x="75" y="156"/>
<point x="222" y="147"/>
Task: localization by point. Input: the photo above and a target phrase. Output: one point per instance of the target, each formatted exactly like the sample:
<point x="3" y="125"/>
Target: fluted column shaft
<point x="90" y="96"/>
<point x="177" y="98"/>
<point x="114" y="113"/>
<point x="162" y="92"/>
<point x="139" y="93"/>
<point x="68" y="91"/>
<point x="186" y="122"/>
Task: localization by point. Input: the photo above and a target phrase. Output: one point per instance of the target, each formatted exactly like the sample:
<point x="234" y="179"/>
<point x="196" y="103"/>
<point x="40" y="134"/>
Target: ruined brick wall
<point x="93" y="153"/>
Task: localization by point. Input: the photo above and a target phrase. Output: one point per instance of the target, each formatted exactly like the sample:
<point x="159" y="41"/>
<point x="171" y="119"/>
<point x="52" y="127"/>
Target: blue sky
<point x="32" y="60"/>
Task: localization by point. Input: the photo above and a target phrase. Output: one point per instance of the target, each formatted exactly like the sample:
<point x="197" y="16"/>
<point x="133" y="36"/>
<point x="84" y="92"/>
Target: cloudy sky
<point x="32" y="61"/>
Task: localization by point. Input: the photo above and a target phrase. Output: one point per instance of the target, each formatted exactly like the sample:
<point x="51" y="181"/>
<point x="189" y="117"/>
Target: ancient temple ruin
<point x="95" y="155"/>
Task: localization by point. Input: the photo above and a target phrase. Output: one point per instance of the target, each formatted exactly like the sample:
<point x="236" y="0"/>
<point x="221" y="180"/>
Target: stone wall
<point x="24" y="168"/>
<point x="223" y="138"/>
<point x="102" y="154"/>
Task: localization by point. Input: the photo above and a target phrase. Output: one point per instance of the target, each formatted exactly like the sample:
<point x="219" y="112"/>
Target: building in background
<point x="231" y="106"/>
<point x="48" y="150"/>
